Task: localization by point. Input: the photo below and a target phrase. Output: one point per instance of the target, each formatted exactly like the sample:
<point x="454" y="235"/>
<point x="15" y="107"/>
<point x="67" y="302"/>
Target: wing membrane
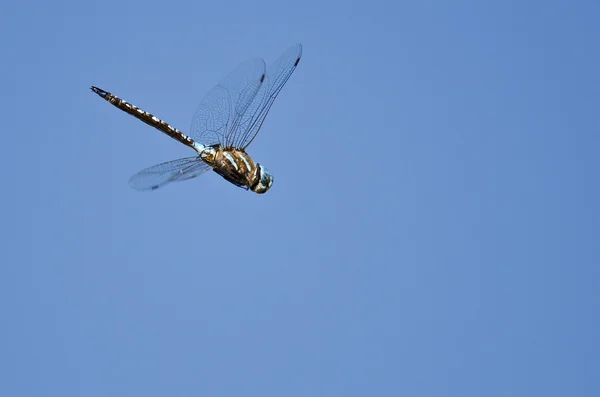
<point x="233" y="112"/>
<point x="221" y="110"/>
<point x="161" y="174"/>
<point x="277" y="75"/>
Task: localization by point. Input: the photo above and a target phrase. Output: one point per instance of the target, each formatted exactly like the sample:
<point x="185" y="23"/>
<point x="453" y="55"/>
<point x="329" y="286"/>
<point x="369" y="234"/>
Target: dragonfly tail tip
<point x="99" y="91"/>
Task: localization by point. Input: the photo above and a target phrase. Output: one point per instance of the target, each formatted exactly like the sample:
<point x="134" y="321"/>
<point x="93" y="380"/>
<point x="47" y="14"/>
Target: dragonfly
<point x="226" y="122"/>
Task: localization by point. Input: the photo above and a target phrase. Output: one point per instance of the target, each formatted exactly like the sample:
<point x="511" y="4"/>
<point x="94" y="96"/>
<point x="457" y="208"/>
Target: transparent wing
<point x="277" y="75"/>
<point x="221" y="110"/>
<point x="160" y="174"/>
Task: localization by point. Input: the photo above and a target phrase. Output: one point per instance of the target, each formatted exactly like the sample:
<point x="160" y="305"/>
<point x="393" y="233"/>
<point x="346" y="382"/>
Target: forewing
<point x="220" y="112"/>
<point x="160" y="174"/>
<point x="277" y="75"/>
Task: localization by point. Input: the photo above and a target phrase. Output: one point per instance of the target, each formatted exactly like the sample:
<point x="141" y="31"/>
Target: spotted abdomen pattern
<point x="146" y="117"/>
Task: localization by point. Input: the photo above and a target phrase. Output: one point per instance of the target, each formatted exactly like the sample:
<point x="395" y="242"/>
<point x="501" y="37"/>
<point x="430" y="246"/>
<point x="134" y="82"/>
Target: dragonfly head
<point x="263" y="180"/>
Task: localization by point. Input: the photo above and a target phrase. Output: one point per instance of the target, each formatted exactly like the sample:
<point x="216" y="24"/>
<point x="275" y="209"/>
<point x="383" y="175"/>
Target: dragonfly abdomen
<point x="146" y="117"/>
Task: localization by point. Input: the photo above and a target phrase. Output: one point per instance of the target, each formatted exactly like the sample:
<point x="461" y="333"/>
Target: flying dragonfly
<point x="226" y="122"/>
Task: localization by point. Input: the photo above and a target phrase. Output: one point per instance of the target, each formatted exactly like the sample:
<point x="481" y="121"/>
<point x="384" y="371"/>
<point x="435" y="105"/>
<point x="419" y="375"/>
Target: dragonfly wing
<point x="220" y="112"/>
<point x="160" y="174"/>
<point x="277" y="75"/>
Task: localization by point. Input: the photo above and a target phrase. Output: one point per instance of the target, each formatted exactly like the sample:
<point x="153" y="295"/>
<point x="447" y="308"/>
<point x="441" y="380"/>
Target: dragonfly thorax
<point x="237" y="167"/>
<point x="208" y="153"/>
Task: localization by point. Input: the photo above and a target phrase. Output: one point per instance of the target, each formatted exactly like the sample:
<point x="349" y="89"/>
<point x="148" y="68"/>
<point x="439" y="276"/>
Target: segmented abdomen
<point x="146" y="117"/>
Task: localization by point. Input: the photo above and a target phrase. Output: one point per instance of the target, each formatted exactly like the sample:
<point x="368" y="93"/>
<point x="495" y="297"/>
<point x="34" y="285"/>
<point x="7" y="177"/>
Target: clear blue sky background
<point x="432" y="229"/>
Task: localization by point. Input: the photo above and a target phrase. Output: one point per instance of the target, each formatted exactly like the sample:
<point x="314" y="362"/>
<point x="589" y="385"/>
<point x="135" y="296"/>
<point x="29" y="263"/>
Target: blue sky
<point x="432" y="229"/>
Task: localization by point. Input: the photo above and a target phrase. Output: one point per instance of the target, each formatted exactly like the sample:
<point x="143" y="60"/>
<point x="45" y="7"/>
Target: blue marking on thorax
<point x="231" y="160"/>
<point x="198" y="147"/>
